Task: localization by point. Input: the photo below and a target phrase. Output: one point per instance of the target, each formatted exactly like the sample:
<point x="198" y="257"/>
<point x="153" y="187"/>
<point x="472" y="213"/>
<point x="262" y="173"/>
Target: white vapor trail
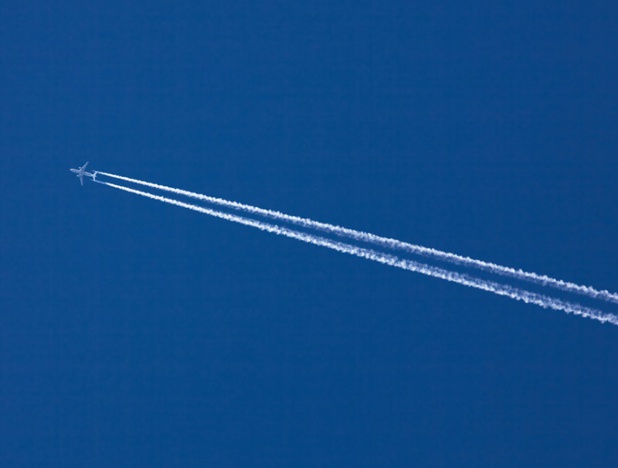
<point x="390" y="243"/>
<point x="391" y="260"/>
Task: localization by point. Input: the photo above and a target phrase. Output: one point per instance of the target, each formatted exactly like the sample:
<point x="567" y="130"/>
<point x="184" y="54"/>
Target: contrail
<point x="391" y="260"/>
<point x="390" y="243"/>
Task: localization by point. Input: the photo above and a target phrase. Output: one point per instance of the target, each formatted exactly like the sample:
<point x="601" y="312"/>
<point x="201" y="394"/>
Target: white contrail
<point x="390" y="243"/>
<point x="391" y="260"/>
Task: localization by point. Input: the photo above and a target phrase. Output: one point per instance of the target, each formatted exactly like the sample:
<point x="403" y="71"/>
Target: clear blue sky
<point x="133" y="333"/>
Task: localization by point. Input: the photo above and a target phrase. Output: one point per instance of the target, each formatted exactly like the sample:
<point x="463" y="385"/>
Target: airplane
<point x="81" y="172"/>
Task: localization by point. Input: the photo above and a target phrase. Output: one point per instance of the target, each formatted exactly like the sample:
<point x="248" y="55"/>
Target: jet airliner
<point x="81" y="172"/>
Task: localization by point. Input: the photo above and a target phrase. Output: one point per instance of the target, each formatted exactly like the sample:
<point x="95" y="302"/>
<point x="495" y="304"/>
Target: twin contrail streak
<point x="390" y="243"/>
<point x="386" y="259"/>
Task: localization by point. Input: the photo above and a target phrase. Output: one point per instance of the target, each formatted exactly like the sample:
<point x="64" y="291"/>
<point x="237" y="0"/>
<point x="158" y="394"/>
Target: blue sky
<point x="137" y="333"/>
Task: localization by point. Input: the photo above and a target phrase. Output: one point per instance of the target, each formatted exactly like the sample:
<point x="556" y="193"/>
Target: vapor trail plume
<point x="391" y="260"/>
<point x="518" y="274"/>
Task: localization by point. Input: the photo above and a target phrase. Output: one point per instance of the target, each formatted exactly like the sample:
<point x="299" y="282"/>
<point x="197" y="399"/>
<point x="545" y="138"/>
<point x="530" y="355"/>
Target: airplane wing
<point x="81" y="179"/>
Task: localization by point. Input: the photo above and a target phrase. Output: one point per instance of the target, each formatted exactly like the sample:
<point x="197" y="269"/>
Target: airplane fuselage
<point x="78" y="172"/>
